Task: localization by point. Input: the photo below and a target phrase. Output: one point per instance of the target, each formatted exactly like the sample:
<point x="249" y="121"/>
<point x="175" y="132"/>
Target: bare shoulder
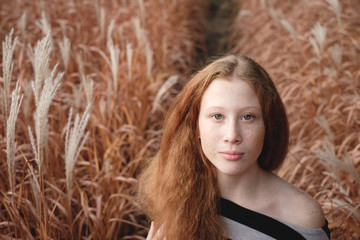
<point x="298" y="207"/>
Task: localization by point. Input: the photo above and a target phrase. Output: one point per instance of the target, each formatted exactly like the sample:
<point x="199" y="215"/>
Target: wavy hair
<point x="178" y="189"/>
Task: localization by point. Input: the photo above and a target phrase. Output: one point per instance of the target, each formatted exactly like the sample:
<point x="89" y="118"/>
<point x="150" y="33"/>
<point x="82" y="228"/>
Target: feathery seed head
<point x="129" y="58"/>
<point x="336" y="54"/>
<point x="114" y="51"/>
<point x="319" y="33"/>
<point x="336" y="7"/>
<point x="41" y="64"/>
<point x="74" y="141"/>
<point x="65" y="46"/>
<point x="51" y="85"/>
<point x="16" y="100"/>
<point x="43" y="23"/>
<point x="8" y="47"/>
<point x="292" y="32"/>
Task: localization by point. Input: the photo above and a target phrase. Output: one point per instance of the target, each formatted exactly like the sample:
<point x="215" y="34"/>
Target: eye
<point x="247" y="117"/>
<point x="218" y="116"/>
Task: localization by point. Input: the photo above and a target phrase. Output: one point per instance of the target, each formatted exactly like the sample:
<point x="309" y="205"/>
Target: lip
<point x="232" y="155"/>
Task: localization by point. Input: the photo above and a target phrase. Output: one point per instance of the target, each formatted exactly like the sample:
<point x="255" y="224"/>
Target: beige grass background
<point x="312" y="51"/>
<point x="85" y="84"/>
<point x="76" y="177"/>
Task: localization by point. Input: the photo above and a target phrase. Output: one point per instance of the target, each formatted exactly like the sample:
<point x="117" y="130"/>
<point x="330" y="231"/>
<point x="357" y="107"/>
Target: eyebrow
<point x="215" y="108"/>
<point x="219" y="107"/>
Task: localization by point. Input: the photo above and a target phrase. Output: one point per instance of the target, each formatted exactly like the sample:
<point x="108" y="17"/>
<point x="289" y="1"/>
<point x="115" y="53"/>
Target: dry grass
<point x="126" y="59"/>
<point x="314" y="60"/>
<point x="112" y="56"/>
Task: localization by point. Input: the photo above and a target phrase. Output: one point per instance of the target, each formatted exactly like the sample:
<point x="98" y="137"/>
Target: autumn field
<point x="85" y="85"/>
<point x="312" y="51"/>
<point x="84" y="88"/>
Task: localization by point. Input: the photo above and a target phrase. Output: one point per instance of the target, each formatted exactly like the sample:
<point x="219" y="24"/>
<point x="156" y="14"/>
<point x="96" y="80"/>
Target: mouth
<point x="232" y="155"/>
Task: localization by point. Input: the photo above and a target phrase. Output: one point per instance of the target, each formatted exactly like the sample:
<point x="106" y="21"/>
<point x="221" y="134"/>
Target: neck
<point x="244" y="189"/>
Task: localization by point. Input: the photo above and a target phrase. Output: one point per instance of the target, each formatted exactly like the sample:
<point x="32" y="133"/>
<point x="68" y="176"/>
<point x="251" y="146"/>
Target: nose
<point x="232" y="133"/>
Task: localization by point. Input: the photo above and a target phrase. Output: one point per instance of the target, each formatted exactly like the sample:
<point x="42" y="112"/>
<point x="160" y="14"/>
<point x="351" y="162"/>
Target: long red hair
<point x="179" y="188"/>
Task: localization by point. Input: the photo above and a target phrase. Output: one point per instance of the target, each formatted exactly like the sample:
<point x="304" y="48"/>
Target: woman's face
<point x="231" y="126"/>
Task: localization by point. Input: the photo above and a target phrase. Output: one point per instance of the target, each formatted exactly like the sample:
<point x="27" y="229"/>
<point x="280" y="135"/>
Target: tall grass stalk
<point x="114" y="51"/>
<point x="16" y="99"/>
<point x="149" y="59"/>
<point x="142" y="9"/>
<point x="51" y="85"/>
<point x="144" y="44"/>
<point x="292" y="32"/>
<point x="80" y="65"/>
<point x="41" y="65"/>
<point x="31" y="55"/>
<point x="328" y="155"/>
<point x="129" y="59"/>
<point x="318" y="42"/>
<point x="244" y="13"/>
<point x="110" y="29"/>
<point x="89" y="90"/>
<point x="324" y="124"/>
<point x="140" y="33"/>
<point x="21" y="23"/>
<point x="65" y="46"/>
<point x="171" y="81"/>
<point x="74" y="141"/>
<point x="274" y="17"/>
<point x="102" y="21"/>
<point x="43" y="23"/>
<point x="8" y="47"/>
<point x="100" y="15"/>
<point x="306" y="5"/>
<point x="263" y="4"/>
<point x="87" y="82"/>
<point x="35" y="188"/>
<point x="336" y="7"/>
<point x="336" y="54"/>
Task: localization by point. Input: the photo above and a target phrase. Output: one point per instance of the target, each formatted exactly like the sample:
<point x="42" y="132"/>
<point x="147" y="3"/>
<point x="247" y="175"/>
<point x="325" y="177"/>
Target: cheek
<point x="208" y="147"/>
<point x="257" y="135"/>
<point x="207" y="138"/>
<point x="203" y="129"/>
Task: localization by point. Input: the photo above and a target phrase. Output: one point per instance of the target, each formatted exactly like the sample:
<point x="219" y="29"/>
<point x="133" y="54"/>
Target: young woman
<point x="212" y="178"/>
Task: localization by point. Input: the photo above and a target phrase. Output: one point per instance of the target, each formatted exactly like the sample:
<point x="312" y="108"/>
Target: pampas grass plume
<point x="336" y="54"/>
<point x="142" y="9"/>
<point x="41" y="64"/>
<point x="21" y="23"/>
<point x="111" y="29"/>
<point x="65" y="46"/>
<point x="74" y="141"/>
<point x="129" y="58"/>
<point x="149" y="58"/>
<point x="318" y="42"/>
<point x="336" y="7"/>
<point x="87" y="82"/>
<point x="8" y="47"/>
<point x="51" y="85"/>
<point x="114" y="51"/>
<point x="102" y="21"/>
<point x="43" y="23"/>
<point x="35" y="188"/>
<point x="171" y="81"/>
<point x="16" y="99"/>
<point x="292" y="31"/>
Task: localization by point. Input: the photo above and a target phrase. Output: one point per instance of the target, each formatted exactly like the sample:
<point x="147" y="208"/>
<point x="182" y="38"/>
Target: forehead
<point x="230" y="92"/>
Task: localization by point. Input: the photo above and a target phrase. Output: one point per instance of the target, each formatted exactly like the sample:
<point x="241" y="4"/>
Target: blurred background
<point x="85" y="85"/>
